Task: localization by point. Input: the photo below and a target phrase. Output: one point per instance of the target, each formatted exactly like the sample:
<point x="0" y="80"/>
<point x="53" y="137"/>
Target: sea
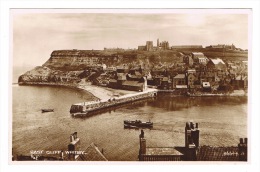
<point x="222" y="121"/>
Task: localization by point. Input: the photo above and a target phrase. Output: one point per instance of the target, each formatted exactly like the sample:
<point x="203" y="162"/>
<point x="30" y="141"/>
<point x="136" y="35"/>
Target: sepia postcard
<point x="130" y="85"/>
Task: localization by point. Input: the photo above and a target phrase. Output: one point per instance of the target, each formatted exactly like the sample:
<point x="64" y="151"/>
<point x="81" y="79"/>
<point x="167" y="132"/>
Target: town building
<point x="179" y="81"/>
<point x="206" y="86"/>
<point x="223" y="46"/>
<point x="186" y="46"/>
<point x="216" y="64"/>
<point x="122" y="82"/>
<point x="191" y="78"/>
<point x="149" y="45"/>
<point x="188" y="60"/>
<point x="164" y="45"/>
<point x="122" y="69"/>
<point x="192" y="150"/>
<point x="142" y="47"/>
<point x="166" y="83"/>
<point x="110" y="69"/>
<point x="240" y="82"/>
<point x="157" y="153"/>
<point x="199" y="58"/>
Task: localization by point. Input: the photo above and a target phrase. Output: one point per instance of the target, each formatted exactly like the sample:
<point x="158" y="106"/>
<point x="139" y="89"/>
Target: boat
<point x="130" y="126"/>
<point x="138" y="123"/>
<point x="79" y="114"/>
<point x="47" y="110"/>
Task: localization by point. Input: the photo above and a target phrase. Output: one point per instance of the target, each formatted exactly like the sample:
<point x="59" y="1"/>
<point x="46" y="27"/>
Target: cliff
<point x="42" y="74"/>
<point x="74" y="60"/>
<point x="71" y="66"/>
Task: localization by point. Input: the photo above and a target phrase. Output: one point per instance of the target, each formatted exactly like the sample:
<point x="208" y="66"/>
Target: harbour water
<point x="222" y="121"/>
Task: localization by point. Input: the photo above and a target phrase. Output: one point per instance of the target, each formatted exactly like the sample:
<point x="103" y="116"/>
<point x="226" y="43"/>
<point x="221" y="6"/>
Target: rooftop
<point x="165" y="79"/>
<point x="206" y="84"/>
<point x="197" y="53"/>
<point x="240" y="77"/>
<point x="132" y="83"/>
<point x="208" y="153"/>
<point x="217" y="61"/>
<point x="179" y="76"/>
<point x="162" y="151"/>
<point x="92" y="153"/>
<point x="181" y="86"/>
<point x="113" y="80"/>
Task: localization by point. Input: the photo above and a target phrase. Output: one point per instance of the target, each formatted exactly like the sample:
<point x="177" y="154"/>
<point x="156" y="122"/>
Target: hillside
<point x="68" y="66"/>
<point x="232" y="55"/>
<point x="80" y="59"/>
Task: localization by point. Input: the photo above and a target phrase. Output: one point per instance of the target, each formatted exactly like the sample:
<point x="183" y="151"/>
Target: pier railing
<point x="87" y="107"/>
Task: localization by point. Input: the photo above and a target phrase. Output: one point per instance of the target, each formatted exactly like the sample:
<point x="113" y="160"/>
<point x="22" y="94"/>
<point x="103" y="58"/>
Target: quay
<point x="85" y="108"/>
<point x="236" y="93"/>
<point x="92" y="107"/>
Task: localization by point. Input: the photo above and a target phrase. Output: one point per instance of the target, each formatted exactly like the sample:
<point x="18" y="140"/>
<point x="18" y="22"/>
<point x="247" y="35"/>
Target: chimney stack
<point x="191" y="135"/>
<point x="142" y="142"/>
<point x="142" y="146"/>
<point x="242" y="149"/>
<point x="191" y="140"/>
<point x="73" y="146"/>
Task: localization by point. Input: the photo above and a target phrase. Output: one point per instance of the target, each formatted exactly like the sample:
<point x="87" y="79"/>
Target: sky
<point x="37" y="34"/>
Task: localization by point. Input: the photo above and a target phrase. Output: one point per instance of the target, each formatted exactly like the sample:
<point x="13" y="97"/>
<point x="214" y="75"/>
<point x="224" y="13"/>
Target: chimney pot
<point x="75" y="135"/>
<point x="241" y="140"/>
<point x="191" y="125"/>
<point x="142" y="134"/>
<point x="71" y="138"/>
<point x="187" y="125"/>
<point x="245" y="140"/>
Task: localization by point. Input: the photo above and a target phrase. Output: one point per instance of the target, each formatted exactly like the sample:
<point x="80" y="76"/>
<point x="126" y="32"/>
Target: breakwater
<point x="86" y="108"/>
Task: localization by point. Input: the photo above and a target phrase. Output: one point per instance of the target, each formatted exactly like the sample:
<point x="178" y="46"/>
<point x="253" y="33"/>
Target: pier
<point x="85" y="108"/>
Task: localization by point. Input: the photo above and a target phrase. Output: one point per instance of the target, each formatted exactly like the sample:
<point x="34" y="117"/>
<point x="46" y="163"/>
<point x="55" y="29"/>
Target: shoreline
<point x="105" y="93"/>
<point x="99" y="93"/>
<point x="236" y="93"/>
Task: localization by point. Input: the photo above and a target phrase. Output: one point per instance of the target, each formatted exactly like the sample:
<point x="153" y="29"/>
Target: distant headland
<point x="184" y="69"/>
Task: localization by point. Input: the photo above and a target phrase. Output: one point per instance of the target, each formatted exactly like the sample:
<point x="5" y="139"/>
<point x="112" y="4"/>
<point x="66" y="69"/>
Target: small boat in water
<point x="137" y="123"/>
<point x="47" y="110"/>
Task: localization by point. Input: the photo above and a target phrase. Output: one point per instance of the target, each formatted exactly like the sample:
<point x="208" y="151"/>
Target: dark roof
<point x="132" y="83"/>
<point x="162" y="151"/>
<point x="159" y="76"/>
<point x="208" y="153"/>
